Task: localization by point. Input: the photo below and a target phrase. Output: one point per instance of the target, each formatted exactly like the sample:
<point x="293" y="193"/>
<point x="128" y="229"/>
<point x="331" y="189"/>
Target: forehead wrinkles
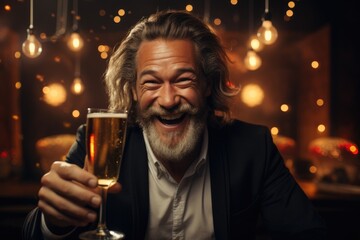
<point x="177" y="51"/>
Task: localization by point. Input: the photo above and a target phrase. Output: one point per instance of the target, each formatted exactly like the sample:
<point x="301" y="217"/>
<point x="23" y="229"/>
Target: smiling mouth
<point x="171" y="120"/>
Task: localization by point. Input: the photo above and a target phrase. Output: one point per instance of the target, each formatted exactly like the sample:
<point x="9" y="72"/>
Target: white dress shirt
<point x="180" y="210"/>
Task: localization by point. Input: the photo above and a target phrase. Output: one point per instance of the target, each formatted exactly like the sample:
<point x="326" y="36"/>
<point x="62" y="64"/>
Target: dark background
<point x="39" y="120"/>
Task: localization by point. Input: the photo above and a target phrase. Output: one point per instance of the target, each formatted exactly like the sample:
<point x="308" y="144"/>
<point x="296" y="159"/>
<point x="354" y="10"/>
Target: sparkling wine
<point x="105" y="134"/>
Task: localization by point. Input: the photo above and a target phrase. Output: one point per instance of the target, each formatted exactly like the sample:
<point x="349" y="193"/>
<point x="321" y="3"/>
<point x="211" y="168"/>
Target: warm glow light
<point x="217" y="21"/>
<point x="255" y="44"/>
<point x="312" y="169"/>
<point x="117" y="19"/>
<point x="7" y="8"/>
<point x="121" y="12"/>
<point x="17" y="54"/>
<point x="353" y="149"/>
<point x="252" y="61"/>
<point x="75" y="42"/>
<point x="289" y="13"/>
<point x="76" y="113"/>
<point x="284" y="108"/>
<point x="291" y="4"/>
<point x="267" y="33"/>
<point x="234" y="2"/>
<point x="57" y="59"/>
<point x="18" y="85"/>
<point x="274" y="131"/>
<point x="31" y="47"/>
<point x="321" y="128"/>
<point x="189" y="8"/>
<point x="319" y="102"/>
<point x="43" y="36"/>
<point x="315" y="64"/>
<point x="54" y="94"/>
<point x="77" y="86"/>
<point x="104" y="55"/>
<point x="15" y="117"/>
<point x="252" y="95"/>
<point x="92" y="147"/>
<point x="39" y="77"/>
<point x="101" y="48"/>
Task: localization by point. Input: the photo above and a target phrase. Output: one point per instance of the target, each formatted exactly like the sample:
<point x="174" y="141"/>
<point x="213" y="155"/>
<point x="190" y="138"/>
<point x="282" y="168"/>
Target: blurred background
<point x="303" y="84"/>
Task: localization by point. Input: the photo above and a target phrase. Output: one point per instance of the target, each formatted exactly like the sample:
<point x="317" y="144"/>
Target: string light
<point x="31" y="47"/>
<point x="267" y="33"/>
<point x="77" y="86"/>
<point x="252" y="61"/>
<point x="75" y="41"/>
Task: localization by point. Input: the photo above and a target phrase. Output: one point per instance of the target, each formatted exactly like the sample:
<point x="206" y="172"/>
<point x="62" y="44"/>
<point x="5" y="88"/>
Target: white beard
<point x="178" y="146"/>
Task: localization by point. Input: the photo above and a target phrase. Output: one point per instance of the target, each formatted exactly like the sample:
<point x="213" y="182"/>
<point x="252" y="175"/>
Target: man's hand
<point x="68" y="195"/>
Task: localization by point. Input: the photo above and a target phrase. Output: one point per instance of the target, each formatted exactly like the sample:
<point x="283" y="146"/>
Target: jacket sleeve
<point x="286" y="210"/>
<point x="31" y="229"/>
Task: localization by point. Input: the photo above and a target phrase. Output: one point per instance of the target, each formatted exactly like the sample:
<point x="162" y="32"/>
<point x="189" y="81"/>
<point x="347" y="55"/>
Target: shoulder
<point x="240" y="129"/>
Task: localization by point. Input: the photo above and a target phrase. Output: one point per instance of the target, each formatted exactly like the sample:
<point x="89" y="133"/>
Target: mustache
<point x="154" y="112"/>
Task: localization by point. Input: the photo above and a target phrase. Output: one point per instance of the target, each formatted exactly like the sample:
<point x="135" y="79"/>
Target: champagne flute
<point x="105" y="140"/>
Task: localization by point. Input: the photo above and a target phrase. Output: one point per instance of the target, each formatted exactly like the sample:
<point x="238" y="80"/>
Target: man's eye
<point x="151" y="84"/>
<point x="184" y="82"/>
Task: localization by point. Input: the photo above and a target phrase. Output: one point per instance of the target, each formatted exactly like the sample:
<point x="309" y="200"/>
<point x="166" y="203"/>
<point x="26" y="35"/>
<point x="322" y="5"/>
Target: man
<point x="189" y="171"/>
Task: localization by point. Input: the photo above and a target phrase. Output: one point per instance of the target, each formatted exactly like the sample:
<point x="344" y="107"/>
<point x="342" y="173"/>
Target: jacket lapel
<point x="219" y="183"/>
<point x="139" y="182"/>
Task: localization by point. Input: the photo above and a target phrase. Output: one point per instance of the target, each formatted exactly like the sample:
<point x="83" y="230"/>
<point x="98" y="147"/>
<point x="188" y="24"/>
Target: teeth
<point x="171" y="117"/>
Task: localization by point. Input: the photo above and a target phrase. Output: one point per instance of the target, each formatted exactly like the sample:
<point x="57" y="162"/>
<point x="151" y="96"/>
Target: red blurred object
<point x="230" y="84"/>
<point x="336" y="159"/>
<point x="4" y="154"/>
<point x="333" y="147"/>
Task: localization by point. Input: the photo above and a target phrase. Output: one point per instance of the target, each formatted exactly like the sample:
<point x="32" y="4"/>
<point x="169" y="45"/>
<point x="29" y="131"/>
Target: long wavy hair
<point x="120" y="75"/>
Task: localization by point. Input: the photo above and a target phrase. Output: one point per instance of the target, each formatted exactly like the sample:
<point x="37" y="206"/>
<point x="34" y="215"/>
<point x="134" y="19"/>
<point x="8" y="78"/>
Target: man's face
<point x="171" y="97"/>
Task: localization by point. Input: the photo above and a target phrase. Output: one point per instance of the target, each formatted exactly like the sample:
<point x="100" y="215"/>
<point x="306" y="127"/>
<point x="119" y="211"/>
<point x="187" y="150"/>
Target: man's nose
<point x="168" y="96"/>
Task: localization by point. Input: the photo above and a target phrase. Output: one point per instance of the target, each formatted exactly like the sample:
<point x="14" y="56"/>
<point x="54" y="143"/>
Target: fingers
<point x="62" y="212"/>
<point x="67" y="195"/>
<point x="115" y="188"/>
<point x="72" y="172"/>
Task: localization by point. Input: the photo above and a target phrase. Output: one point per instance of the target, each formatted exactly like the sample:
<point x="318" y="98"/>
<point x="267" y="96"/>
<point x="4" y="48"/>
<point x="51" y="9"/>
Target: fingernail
<point x="96" y="200"/>
<point x="92" y="183"/>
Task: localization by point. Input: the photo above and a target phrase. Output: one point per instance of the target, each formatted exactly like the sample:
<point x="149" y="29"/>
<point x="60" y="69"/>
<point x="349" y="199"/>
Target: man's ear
<point x="134" y="94"/>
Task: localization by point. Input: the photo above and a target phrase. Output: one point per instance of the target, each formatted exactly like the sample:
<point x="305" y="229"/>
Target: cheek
<point x="193" y="97"/>
<point x="146" y="99"/>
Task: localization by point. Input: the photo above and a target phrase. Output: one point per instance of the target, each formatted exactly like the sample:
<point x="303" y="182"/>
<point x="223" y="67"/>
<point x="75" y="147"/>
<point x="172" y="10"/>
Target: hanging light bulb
<point x="267" y="33"/>
<point x="255" y="44"/>
<point x="77" y="86"/>
<point x="252" y="60"/>
<point x="31" y="47"/>
<point x="75" y="42"/>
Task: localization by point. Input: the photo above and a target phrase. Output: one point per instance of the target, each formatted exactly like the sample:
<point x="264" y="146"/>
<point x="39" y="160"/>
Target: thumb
<point x="116" y="188"/>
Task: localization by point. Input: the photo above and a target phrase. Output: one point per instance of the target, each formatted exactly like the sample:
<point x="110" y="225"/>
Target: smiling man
<point x="189" y="171"/>
<point x="171" y="100"/>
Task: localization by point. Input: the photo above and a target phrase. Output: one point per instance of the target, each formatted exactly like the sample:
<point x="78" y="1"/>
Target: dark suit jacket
<point x="248" y="180"/>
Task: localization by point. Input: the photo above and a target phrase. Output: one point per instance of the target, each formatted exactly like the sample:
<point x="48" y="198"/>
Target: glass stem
<point x="102" y="228"/>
